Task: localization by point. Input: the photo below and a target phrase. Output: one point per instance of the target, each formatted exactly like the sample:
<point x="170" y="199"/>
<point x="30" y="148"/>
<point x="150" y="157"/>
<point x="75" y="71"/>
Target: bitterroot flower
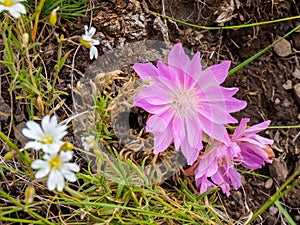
<point x="46" y="137"/>
<point x="254" y="149"/>
<point x="185" y="101"/>
<point x="58" y="168"/>
<point x="14" y="7"/>
<point x="217" y="163"/>
<point x="89" y="42"/>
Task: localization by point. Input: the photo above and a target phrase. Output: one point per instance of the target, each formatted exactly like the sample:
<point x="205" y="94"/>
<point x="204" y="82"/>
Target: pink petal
<point x="190" y="153"/>
<point x="162" y="140"/>
<point x="235" y="105"/>
<point x="257" y="128"/>
<point x="195" y="67"/>
<point x="193" y="128"/>
<point x="158" y="123"/>
<point x="178" y="131"/>
<point x="216" y="131"/>
<point x="216" y="113"/>
<point x="145" y="70"/>
<point x="240" y="129"/>
<point x="220" y="71"/>
<point x="178" y="59"/>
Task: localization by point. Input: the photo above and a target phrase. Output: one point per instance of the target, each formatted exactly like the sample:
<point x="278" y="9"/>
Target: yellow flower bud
<point x="10" y="155"/>
<point x="53" y="17"/>
<point x="66" y="146"/>
<point x="29" y="194"/>
<point x="25" y="39"/>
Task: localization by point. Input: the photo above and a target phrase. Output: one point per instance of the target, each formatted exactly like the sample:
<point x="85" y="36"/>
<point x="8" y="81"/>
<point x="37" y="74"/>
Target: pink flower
<point x="254" y="149"/>
<point x="217" y="164"/>
<point x="185" y="101"/>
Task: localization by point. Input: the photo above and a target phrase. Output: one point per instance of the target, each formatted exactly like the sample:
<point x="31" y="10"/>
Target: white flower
<point x="14" y="7"/>
<point x="58" y="168"/>
<point x="88" y="142"/>
<point x="89" y="42"/>
<point x="46" y="137"/>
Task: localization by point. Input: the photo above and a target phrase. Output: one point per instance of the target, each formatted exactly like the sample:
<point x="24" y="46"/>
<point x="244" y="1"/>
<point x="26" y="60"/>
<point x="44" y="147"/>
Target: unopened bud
<point x="25" y="39"/>
<point x="53" y="17"/>
<point x="10" y="155"/>
<point x="66" y="146"/>
<point x="29" y="194"/>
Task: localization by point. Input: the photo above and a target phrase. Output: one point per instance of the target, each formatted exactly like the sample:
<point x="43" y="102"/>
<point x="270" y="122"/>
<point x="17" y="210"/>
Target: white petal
<point x="71" y="167"/>
<point x="2" y="8"/>
<point x="34" y="145"/>
<point x="95" y="42"/>
<point x="46" y="123"/>
<point x="86" y="29"/>
<point x="93" y="52"/>
<point x="70" y="176"/>
<point x="42" y="172"/>
<point x="52" y="148"/>
<point x="33" y="130"/>
<point x="92" y="31"/>
<point x="38" y="164"/>
<point x="66" y="156"/>
<point x="55" y="180"/>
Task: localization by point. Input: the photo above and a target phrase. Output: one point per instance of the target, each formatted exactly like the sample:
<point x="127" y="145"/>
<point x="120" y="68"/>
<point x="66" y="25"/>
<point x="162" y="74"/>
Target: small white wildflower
<point x="88" y="142"/>
<point x="89" y="42"/>
<point x="58" y="168"/>
<point x="14" y="7"/>
<point x="48" y="137"/>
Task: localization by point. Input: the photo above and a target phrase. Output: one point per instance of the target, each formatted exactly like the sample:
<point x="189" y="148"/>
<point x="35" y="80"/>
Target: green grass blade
<point x="285" y="213"/>
<point x="246" y="62"/>
<point x="283" y="190"/>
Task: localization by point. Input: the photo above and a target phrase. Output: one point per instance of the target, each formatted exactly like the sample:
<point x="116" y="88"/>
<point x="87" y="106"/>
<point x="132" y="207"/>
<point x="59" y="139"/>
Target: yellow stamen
<point x="55" y="162"/>
<point x="8" y="3"/>
<point x="85" y="43"/>
<point x="47" y="139"/>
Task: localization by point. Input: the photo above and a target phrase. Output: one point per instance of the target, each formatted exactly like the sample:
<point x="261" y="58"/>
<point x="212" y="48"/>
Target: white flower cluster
<point x="87" y="41"/>
<point x="55" y="161"/>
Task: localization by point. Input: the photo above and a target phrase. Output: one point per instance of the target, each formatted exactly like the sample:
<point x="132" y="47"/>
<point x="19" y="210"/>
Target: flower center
<point x="47" y="139"/>
<point x="8" y="3"/>
<point x="55" y="162"/>
<point x="85" y="43"/>
<point x="185" y="102"/>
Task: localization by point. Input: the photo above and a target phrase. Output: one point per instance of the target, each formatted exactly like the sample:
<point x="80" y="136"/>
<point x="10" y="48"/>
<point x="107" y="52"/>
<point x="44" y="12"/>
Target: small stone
<point x="296" y="73"/>
<point x="273" y="210"/>
<point x="283" y="48"/>
<point x="297" y="90"/>
<point x="288" y="85"/>
<point x="269" y="183"/>
<point x="277" y="101"/>
<point x="278" y="170"/>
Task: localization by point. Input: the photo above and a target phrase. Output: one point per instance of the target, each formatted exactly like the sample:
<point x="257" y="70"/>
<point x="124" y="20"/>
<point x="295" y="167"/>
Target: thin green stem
<point x="20" y="221"/>
<point x="225" y="27"/>
<point x="279" y="194"/>
<point x="246" y="62"/>
<point x="24" y="157"/>
<point x="25" y="208"/>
